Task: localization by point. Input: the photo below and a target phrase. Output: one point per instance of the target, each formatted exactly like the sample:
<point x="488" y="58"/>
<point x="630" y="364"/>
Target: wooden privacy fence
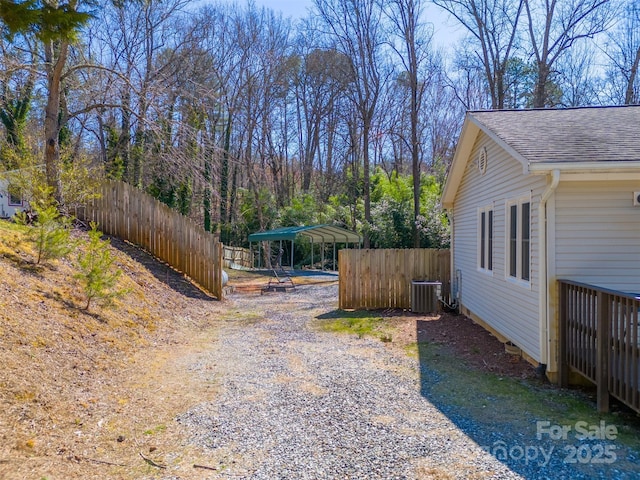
<point x="236" y="257"/>
<point x="599" y="339"/>
<point x="381" y="278"/>
<point x="130" y="214"/>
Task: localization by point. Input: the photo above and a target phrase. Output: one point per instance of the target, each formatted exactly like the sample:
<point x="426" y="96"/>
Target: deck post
<point x="563" y="364"/>
<point x="603" y="343"/>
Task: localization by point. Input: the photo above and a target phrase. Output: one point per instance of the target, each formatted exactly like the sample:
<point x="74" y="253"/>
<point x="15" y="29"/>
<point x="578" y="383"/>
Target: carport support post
<point x="292" y="255"/>
<point x="311" y="266"/>
<point x="322" y="258"/>
<point x="334" y="256"/>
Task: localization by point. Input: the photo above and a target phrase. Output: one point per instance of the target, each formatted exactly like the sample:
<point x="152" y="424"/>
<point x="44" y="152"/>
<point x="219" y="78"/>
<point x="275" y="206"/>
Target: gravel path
<point x="296" y="403"/>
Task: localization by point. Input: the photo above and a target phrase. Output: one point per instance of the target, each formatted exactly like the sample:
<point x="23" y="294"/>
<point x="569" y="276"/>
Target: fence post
<point x="602" y="352"/>
<point x="563" y="365"/>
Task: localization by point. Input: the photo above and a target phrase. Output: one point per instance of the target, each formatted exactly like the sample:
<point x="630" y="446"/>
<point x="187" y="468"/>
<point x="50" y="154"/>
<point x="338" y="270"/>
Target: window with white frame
<point x="485" y="239"/>
<point x="519" y="239"/>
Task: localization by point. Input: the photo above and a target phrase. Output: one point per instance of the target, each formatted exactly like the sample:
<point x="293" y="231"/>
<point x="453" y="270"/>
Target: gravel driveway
<point x="297" y="403"/>
<point x="300" y="404"/>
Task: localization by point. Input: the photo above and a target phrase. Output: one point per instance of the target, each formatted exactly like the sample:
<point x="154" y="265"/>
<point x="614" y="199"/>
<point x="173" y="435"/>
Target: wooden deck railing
<point x="599" y="339"/>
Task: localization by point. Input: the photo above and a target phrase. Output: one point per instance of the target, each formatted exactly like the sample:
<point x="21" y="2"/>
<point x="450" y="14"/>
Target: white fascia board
<point x="601" y="168"/>
<point x="459" y="164"/>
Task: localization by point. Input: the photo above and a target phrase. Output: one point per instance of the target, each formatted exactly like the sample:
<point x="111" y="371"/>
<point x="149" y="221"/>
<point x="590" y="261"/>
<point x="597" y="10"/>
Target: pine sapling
<point x="51" y="233"/>
<point x="97" y="274"/>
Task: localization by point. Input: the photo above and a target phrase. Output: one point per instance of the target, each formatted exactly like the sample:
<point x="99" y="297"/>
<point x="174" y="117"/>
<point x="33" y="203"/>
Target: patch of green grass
<point x="244" y="317"/>
<point x="360" y="323"/>
<point x="358" y="326"/>
<point x="156" y="429"/>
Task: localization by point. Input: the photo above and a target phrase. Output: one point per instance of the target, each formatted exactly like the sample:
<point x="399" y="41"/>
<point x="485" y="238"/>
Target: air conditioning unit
<point x="425" y="296"/>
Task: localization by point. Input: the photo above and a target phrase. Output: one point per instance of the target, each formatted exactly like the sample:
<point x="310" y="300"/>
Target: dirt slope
<point x="84" y="392"/>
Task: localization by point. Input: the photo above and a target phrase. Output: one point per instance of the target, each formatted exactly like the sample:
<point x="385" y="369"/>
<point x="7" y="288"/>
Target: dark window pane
<point x="513" y="240"/>
<point x="15" y="196"/>
<point x="490" y="242"/>
<point x="526" y="233"/>
<point x="483" y="233"/>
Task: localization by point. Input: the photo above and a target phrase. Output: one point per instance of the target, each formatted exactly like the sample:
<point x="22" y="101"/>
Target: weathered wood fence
<point x="381" y="278"/>
<point x="237" y="257"/>
<point x="599" y="339"/>
<point x="130" y="214"/>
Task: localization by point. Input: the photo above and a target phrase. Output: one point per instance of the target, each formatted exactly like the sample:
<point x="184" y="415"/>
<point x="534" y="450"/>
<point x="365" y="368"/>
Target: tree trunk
<point x="415" y="159"/>
<point x="54" y="68"/>
<point x="629" y="96"/>
<point x="540" y="89"/>
<point x="366" y="182"/>
<point x="224" y="174"/>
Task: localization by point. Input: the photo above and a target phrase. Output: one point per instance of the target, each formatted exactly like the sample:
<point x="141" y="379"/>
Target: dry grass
<point x="88" y="394"/>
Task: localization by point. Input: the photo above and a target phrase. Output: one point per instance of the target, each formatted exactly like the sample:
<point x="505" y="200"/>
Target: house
<point x="535" y="196"/>
<point x="11" y="201"/>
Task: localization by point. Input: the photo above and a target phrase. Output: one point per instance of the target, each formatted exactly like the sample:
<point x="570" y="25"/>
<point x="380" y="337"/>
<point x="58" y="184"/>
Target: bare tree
<point x="578" y="76"/>
<point x="324" y="76"/>
<point x="356" y="28"/>
<point x="554" y="27"/>
<point x="468" y="81"/>
<point x="623" y="51"/>
<point x="413" y="52"/>
<point x="493" y="24"/>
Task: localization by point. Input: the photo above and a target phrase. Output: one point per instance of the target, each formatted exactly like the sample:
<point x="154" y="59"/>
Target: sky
<point x="445" y="30"/>
<point x="289" y="8"/>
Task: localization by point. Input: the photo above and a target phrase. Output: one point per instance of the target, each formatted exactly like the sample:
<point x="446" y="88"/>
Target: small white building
<point x="11" y="201"/>
<point x="540" y="195"/>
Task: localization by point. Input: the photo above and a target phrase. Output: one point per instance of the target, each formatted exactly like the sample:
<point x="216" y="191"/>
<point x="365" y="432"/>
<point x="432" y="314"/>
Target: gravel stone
<point x="297" y="403"/>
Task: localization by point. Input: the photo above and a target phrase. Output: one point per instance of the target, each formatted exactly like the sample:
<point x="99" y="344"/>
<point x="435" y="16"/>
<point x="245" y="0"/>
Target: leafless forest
<point x="246" y="120"/>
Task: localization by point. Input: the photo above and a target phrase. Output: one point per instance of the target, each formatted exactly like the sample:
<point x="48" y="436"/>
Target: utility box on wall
<point x="425" y="296"/>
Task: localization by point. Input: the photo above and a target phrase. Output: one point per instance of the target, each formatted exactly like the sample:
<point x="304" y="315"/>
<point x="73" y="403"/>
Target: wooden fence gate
<point x="381" y="278"/>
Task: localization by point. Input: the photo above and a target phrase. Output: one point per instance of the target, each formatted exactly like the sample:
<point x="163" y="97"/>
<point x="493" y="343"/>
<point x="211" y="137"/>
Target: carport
<point x="321" y="234"/>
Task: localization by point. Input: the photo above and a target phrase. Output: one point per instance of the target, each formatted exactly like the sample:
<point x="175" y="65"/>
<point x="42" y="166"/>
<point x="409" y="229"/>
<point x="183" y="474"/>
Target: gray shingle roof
<point x="590" y="134"/>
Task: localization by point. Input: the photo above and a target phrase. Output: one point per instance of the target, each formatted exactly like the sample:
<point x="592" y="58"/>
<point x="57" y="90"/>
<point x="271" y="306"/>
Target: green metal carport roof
<point x="317" y="233"/>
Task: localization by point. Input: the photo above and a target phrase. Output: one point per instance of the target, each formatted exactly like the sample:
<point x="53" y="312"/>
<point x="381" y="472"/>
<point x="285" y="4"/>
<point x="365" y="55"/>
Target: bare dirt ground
<point x="464" y="339"/>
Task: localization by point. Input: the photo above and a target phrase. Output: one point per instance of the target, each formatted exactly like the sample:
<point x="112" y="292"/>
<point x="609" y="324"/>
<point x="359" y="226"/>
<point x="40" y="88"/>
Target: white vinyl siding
<point x="597" y="234"/>
<point x="504" y="305"/>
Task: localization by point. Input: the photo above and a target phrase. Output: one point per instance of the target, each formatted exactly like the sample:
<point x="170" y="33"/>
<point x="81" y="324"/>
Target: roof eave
<point x="466" y="141"/>
<point x="585" y="167"/>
